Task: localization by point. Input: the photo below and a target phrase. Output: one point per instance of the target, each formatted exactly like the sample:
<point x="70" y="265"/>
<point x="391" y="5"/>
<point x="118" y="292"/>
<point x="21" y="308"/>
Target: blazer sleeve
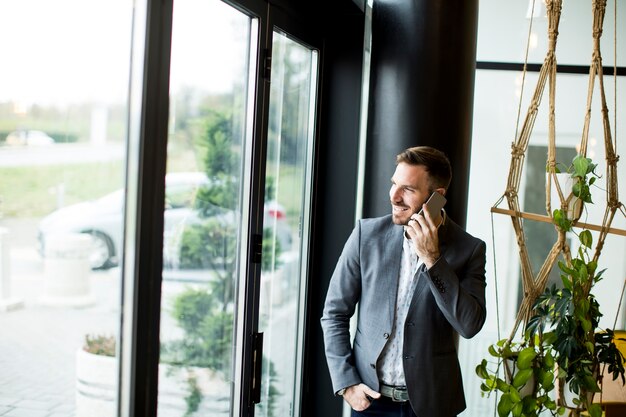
<point x="341" y="300"/>
<point x="458" y="285"/>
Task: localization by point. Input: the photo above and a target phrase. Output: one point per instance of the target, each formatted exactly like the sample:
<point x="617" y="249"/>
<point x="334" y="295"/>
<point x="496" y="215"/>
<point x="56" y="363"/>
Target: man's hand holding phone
<point x="422" y="229"/>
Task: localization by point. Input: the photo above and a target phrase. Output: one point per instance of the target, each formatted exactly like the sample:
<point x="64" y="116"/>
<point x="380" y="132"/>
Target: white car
<point x="102" y="219"/>
<point x="28" y="138"/>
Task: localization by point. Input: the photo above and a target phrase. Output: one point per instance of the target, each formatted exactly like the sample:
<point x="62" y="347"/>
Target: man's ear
<point x="441" y="191"/>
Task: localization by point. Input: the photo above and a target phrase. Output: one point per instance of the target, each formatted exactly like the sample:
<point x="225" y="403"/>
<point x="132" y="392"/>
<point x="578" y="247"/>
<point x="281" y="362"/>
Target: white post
<point x="66" y="270"/>
<point x="7" y="302"/>
<point x="98" y="131"/>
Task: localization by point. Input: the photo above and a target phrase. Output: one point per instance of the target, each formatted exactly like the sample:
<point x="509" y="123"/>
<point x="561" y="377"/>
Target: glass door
<point x="290" y="137"/>
<point x="213" y="62"/>
<point x="237" y="191"/>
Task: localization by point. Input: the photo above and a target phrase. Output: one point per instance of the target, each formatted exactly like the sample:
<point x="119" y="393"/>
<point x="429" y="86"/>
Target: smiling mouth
<point x="399" y="209"/>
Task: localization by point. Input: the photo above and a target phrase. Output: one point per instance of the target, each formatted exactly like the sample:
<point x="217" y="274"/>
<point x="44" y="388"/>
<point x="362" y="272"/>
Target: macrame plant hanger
<point x="534" y="285"/>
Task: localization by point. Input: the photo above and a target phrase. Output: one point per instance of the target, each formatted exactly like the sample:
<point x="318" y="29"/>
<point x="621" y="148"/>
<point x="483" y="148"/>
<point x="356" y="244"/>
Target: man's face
<point x="410" y="189"/>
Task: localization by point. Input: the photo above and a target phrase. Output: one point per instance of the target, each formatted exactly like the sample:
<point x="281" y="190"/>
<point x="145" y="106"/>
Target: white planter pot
<point x="96" y="385"/>
<point x="97" y="379"/>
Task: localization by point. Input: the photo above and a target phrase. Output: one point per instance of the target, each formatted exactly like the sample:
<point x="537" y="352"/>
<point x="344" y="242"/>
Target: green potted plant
<point x="523" y="376"/>
<point x="573" y="312"/>
<point x="561" y="339"/>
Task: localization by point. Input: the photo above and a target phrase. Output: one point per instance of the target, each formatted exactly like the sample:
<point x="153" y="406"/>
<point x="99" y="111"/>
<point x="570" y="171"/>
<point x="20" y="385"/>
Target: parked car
<point x="28" y="138"/>
<point x="102" y="219"/>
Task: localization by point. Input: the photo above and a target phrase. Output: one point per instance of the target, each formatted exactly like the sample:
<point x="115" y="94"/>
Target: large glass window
<point x="63" y="124"/>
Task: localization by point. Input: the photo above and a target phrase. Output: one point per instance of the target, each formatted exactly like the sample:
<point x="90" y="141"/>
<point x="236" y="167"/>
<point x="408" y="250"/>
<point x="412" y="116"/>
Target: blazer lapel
<point x="392" y="253"/>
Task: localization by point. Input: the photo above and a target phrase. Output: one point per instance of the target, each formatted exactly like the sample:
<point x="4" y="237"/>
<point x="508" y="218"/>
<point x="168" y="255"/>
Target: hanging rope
<point x="534" y="285"/>
<point x="531" y="285"/>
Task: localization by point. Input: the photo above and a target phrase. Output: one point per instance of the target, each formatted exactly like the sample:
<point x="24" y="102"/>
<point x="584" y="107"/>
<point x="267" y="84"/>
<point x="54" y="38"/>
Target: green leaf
<point x="590" y="383"/>
<point x="578" y="190"/>
<point x="547" y="379"/>
<point x="517" y="409"/>
<point x="481" y="370"/>
<point x="490" y="382"/>
<point x="504" y="405"/>
<point x="563" y="267"/>
<point x="585" y="238"/>
<point x="595" y="410"/>
<point x="560" y="219"/>
<point x="521" y="378"/>
<point x="502" y="386"/>
<point x="515" y="396"/>
<point x="530" y="405"/>
<point x="493" y="351"/>
<point x="581" y="166"/>
<point x="567" y="283"/>
<point x="525" y="358"/>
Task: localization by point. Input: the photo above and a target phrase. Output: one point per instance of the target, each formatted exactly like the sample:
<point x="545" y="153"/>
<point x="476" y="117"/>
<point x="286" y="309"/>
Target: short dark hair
<point x="436" y="163"/>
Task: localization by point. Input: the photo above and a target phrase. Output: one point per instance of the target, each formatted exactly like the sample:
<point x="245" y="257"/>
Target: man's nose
<point x="395" y="194"/>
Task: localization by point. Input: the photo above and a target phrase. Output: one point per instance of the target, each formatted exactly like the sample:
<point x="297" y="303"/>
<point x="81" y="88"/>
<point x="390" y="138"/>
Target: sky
<point x="66" y="51"/>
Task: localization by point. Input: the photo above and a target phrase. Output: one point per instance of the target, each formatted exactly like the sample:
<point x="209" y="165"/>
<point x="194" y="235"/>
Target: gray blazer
<point x="449" y="300"/>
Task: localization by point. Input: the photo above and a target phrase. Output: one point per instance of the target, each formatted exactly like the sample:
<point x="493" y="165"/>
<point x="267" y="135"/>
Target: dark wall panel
<point x="421" y="91"/>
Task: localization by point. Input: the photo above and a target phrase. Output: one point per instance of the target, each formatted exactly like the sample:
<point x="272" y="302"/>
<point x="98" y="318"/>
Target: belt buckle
<point x="396" y="395"/>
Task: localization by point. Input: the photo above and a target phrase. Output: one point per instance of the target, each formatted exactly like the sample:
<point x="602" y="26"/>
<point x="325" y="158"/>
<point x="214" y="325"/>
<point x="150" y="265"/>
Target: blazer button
<point x="410" y="323"/>
<point x="386" y="335"/>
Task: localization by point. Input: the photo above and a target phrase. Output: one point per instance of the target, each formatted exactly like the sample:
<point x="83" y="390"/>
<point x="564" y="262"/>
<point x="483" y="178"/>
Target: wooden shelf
<point x="548" y="219"/>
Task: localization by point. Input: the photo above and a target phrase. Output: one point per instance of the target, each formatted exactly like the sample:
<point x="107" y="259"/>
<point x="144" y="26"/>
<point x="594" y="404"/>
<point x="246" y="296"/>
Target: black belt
<point x="397" y="394"/>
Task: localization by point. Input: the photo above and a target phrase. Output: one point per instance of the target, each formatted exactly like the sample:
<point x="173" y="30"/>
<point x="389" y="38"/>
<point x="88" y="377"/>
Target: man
<point x="419" y="281"/>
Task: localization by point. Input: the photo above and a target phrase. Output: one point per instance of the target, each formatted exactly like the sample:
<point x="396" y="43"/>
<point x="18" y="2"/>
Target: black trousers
<point x="386" y="407"/>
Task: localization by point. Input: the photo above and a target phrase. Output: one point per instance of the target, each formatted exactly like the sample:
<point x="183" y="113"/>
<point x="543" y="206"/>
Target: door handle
<point x="257" y="363"/>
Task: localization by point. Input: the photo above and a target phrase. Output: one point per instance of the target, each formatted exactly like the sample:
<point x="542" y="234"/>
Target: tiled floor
<point x="39" y="341"/>
<point x="38" y="346"/>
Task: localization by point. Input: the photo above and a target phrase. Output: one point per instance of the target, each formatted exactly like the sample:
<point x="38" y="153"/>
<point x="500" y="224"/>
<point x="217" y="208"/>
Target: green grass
<point x="33" y="191"/>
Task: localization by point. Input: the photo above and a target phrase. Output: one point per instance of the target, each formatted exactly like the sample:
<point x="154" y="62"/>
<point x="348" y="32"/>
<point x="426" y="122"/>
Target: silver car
<point x="102" y="220"/>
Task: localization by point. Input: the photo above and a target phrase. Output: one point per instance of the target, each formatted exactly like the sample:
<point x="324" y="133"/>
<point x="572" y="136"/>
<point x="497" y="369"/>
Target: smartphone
<point x="435" y="203"/>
